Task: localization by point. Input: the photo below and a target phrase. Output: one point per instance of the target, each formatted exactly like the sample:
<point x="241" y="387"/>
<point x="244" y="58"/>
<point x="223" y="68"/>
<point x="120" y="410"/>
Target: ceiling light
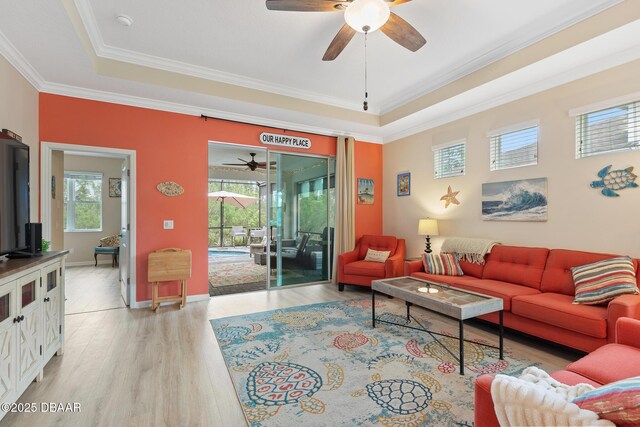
<point x="124" y="20"/>
<point x="366" y="16"/>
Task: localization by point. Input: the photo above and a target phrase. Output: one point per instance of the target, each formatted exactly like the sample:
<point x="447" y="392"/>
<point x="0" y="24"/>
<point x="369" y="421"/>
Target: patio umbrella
<point x="233" y="199"/>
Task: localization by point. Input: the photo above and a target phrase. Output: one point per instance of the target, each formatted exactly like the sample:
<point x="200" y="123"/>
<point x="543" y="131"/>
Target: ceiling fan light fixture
<point x="366" y="16"/>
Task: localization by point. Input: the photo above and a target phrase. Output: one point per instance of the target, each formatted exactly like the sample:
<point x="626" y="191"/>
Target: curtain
<point x="344" y="239"/>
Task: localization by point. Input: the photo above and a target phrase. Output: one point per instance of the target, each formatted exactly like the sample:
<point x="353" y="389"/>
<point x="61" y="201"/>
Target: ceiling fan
<point x="252" y="165"/>
<point x="362" y="16"/>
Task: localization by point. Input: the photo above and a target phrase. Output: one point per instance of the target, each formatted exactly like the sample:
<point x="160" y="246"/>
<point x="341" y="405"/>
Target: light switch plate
<point x="168" y="224"/>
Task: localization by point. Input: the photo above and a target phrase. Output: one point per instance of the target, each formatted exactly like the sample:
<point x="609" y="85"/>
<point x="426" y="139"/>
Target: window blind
<point x="449" y="160"/>
<point x="514" y="149"/>
<point x="609" y="130"/>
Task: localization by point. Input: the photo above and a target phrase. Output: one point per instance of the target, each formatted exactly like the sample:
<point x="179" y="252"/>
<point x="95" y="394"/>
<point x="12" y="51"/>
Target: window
<point x="514" y="149"/>
<point x="449" y="159"/>
<point x="311" y="204"/>
<point x="82" y="201"/>
<point x="609" y="130"/>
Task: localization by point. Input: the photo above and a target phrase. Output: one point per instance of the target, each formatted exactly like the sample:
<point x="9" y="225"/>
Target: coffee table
<point x="452" y="302"/>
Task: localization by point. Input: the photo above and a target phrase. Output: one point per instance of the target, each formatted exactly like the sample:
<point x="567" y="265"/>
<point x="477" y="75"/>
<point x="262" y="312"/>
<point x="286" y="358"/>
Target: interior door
<point x="125" y="281"/>
<point x="300" y="191"/>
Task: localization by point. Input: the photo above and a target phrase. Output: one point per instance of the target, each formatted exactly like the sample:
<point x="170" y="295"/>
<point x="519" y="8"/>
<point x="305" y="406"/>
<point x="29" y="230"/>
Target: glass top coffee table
<point x="452" y="302"/>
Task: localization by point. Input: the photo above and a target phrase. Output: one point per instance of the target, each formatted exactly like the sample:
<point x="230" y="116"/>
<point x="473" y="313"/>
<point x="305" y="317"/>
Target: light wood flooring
<point x="135" y="367"/>
<point x="92" y="289"/>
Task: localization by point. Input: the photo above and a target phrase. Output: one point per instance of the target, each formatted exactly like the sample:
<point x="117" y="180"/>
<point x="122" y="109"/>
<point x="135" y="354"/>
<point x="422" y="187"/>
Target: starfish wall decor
<point x="450" y="198"/>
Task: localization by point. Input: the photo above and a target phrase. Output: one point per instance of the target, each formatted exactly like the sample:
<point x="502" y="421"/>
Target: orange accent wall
<point x="368" y="164"/>
<point x="172" y="146"/>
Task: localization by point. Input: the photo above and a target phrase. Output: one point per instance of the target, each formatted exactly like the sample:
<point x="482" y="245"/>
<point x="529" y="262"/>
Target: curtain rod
<point x="205" y="117"/>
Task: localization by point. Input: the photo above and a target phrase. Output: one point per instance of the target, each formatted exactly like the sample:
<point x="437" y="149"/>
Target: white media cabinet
<point x="31" y="320"/>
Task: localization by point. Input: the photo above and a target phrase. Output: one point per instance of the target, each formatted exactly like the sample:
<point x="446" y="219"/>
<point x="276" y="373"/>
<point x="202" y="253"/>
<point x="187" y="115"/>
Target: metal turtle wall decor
<point x="616" y="180"/>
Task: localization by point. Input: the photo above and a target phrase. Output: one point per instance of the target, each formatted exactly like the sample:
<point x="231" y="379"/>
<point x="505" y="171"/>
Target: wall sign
<point x="285" y="140"/>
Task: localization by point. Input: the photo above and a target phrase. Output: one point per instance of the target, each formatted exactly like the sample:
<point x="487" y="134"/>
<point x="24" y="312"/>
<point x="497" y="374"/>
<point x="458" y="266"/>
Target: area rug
<point x="323" y="365"/>
<point x="223" y="274"/>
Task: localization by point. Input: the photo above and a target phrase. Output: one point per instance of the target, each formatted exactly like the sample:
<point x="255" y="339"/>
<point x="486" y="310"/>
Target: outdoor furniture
<point x="238" y="231"/>
<point x="256" y="248"/>
<point x="169" y="265"/>
<point x="294" y="257"/>
<point x="108" y="246"/>
<point x="258" y="233"/>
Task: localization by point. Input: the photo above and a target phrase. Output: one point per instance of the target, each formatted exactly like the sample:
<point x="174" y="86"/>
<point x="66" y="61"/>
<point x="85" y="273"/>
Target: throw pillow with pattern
<point x="443" y="264"/>
<point x="602" y="281"/>
<point x="377" y="256"/>
<point x="618" y="402"/>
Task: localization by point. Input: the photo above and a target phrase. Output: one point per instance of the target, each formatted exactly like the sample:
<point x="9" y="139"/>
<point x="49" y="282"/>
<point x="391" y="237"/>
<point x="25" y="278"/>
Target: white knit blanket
<point x="536" y="399"/>
<point x="472" y="250"/>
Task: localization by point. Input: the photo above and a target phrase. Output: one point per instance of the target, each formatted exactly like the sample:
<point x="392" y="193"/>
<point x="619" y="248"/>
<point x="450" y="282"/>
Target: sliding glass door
<point x="301" y="208"/>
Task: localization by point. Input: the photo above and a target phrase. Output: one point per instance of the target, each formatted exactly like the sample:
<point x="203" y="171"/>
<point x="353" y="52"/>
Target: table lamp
<point x="428" y="227"/>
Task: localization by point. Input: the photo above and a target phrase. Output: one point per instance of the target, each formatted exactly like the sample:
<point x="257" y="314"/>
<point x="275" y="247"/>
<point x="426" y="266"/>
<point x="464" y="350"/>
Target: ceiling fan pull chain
<point x="365" y="105"/>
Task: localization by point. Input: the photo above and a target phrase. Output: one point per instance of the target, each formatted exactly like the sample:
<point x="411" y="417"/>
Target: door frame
<point x="46" y="148"/>
<point x="330" y="252"/>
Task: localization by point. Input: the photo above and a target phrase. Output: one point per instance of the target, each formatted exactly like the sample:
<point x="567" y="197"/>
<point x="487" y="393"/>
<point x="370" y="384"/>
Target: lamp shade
<point x="428" y="227"/>
<point x="367" y="15"/>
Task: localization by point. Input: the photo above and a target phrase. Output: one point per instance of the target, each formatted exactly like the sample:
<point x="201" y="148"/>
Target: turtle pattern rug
<point x="324" y="365"/>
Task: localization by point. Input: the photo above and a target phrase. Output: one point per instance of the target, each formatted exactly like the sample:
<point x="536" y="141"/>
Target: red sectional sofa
<point x="537" y="288"/>
<point x="598" y="368"/>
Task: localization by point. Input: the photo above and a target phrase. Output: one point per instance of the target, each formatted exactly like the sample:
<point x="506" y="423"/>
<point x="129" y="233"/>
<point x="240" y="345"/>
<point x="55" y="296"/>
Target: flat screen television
<point x="14" y="194"/>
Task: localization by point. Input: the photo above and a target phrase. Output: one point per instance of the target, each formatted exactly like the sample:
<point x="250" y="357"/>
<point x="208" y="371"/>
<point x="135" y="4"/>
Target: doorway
<point x="88" y="207"/>
<point x="237" y="219"/>
<point x="270" y="218"/>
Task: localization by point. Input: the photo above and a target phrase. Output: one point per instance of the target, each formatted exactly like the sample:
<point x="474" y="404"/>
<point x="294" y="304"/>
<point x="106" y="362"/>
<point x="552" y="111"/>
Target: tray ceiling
<point x="265" y="66"/>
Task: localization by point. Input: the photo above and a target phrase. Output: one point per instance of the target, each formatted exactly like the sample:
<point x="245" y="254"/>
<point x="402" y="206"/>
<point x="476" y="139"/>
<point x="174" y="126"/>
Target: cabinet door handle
<point x="46" y="299"/>
<point x="21" y="318"/>
<point x="16" y="319"/>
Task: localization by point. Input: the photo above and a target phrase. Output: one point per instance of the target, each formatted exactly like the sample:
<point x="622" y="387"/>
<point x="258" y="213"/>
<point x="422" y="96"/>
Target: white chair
<point x="259" y="233"/>
<point x="237" y="231"/>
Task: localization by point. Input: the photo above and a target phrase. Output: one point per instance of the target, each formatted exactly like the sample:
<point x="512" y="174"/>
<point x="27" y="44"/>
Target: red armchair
<point x="354" y="270"/>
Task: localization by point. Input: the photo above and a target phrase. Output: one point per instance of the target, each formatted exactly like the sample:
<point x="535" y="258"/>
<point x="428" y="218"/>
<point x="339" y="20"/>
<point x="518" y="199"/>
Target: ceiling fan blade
<point x="340" y="41"/>
<point x="396" y="2"/>
<point x="235" y="164"/>
<point x="401" y="32"/>
<point x="307" y="5"/>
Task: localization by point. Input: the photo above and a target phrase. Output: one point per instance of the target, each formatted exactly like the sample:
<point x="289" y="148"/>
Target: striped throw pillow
<point x="618" y="402"/>
<point x="443" y="264"/>
<point x="604" y="280"/>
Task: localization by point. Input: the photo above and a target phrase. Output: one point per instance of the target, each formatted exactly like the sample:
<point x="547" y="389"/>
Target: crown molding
<point x="15" y="58"/>
<point x="174" y="107"/>
<point x="573" y="74"/>
<point x="105" y="51"/>
<point x="475" y="64"/>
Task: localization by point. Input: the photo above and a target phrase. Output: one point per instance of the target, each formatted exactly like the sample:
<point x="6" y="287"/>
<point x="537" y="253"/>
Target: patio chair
<point x="238" y="231"/>
<point x="258" y="234"/>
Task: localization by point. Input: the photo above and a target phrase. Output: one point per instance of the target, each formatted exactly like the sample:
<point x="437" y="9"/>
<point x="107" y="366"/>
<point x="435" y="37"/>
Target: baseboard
<point x="87" y="263"/>
<point x="190" y="298"/>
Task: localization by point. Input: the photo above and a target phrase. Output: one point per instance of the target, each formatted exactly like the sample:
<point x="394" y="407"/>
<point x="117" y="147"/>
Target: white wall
<point x="19" y="113"/>
<point x="579" y="216"/>
<point x="82" y="244"/>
